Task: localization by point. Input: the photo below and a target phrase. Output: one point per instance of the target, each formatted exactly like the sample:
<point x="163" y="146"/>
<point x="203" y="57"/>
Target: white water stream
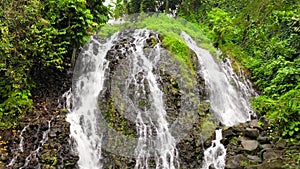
<point x="34" y="153"/>
<point x="228" y="97"/>
<point x="151" y="124"/>
<point x="215" y="154"/>
<point x="154" y="137"/>
<point x="82" y="104"/>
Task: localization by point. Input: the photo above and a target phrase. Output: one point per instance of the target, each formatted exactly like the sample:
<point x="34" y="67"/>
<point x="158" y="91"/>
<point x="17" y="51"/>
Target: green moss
<point x="169" y="30"/>
<point x="115" y="117"/>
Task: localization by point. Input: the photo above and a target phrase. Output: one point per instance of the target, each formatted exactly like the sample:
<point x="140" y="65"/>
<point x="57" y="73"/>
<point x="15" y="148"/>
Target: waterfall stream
<point x="154" y="137"/>
<point x="228" y="96"/>
<point x="151" y="123"/>
<point x="83" y="106"/>
<point x="141" y="97"/>
<point x="215" y="154"/>
<point x="33" y="155"/>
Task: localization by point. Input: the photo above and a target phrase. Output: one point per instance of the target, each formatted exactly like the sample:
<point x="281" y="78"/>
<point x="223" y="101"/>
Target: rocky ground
<point x="249" y="146"/>
<point x="42" y="139"/>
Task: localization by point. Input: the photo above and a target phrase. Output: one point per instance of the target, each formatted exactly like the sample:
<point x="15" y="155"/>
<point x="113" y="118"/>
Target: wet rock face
<point x="43" y="143"/>
<point x="190" y="147"/>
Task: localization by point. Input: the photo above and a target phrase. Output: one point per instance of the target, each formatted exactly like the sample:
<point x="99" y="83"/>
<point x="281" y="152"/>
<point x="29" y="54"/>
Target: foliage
<point x="140" y="6"/>
<point x="268" y="45"/>
<point x="38" y="37"/>
<point x="283" y="113"/>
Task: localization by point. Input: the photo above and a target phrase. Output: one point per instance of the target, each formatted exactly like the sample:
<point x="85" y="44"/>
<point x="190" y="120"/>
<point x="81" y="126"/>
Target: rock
<point x="254" y="124"/>
<point x="212" y="167"/>
<point x="3" y="158"/>
<point x="271" y="154"/>
<point x="254" y="158"/>
<point x="251" y="132"/>
<point x="227" y="133"/>
<point x="234" y="162"/>
<point x="266" y="146"/>
<point x="281" y="144"/>
<point x="52" y="134"/>
<point x="252" y="167"/>
<point x="249" y="145"/>
<point x="263" y="139"/>
<point x="272" y="164"/>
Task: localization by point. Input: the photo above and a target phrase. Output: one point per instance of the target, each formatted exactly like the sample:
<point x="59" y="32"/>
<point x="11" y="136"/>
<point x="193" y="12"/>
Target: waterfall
<point x="34" y="153"/>
<point x="91" y="79"/>
<point x="228" y="96"/>
<point x="20" y="147"/>
<point x="89" y="76"/>
<point x="122" y="74"/>
<point x="215" y="154"/>
<point x="151" y="124"/>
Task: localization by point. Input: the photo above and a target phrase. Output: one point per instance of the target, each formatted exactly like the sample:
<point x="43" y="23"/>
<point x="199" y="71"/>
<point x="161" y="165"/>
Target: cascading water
<point x="82" y="103"/>
<point x="34" y="154"/>
<point x="151" y="123"/>
<point x="227" y="95"/>
<point x="132" y="77"/>
<point x="154" y="138"/>
<point x="215" y="154"/>
<point x="20" y="147"/>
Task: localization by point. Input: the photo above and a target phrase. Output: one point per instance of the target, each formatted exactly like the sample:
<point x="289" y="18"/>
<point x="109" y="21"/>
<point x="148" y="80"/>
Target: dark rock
<point x="266" y="146"/>
<point x="254" y="158"/>
<point x="271" y="154"/>
<point x="281" y="144"/>
<point x="251" y="132"/>
<point x="263" y="139"/>
<point x="212" y="167"/>
<point x="272" y="164"/>
<point x="234" y="162"/>
<point x="249" y="145"/>
<point x="228" y="133"/>
<point x="52" y="134"/>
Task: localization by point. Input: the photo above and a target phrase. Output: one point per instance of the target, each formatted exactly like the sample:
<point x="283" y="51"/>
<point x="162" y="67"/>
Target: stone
<point x="234" y="162"/>
<point x="266" y="146"/>
<point x="252" y="167"/>
<point x="263" y="139"/>
<point x="281" y="144"/>
<point x="254" y="124"/>
<point x="228" y="132"/>
<point x="249" y="145"/>
<point x="272" y="164"/>
<point x="254" y="158"/>
<point x="251" y="132"/>
<point x="271" y="154"/>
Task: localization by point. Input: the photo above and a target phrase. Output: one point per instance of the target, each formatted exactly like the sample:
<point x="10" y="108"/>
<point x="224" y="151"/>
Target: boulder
<point x="251" y="132"/>
<point x="266" y="146"/>
<point x="263" y="139"/>
<point x="272" y="164"/>
<point x="249" y="145"/>
<point x="234" y="162"/>
<point x="254" y="158"/>
<point x="281" y="144"/>
<point x="271" y="154"/>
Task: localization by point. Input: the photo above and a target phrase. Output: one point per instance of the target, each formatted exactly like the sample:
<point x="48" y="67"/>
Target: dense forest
<point x="40" y="40"/>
